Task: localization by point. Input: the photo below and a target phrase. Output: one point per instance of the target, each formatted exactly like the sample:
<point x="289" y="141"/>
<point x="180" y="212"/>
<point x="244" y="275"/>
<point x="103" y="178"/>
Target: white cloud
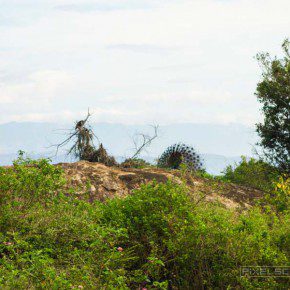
<point x="179" y="61"/>
<point x="40" y="87"/>
<point x="62" y="116"/>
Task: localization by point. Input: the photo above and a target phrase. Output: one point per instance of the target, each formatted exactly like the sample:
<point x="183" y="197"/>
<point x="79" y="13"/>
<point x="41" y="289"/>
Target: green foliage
<point x="135" y="163"/>
<point x="29" y="181"/>
<point x="203" y="246"/>
<point x="206" y="175"/>
<point x="52" y="241"/>
<point x="274" y="93"/>
<point x="254" y="173"/>
<point x="279" y="198"/>
<point x="156" y="238"/>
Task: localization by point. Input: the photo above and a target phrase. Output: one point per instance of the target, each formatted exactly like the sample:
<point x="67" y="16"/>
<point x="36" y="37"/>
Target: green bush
<point x="52" y="241"/>
<point x="29" y="180"/>
<point x="254" y="173"/>
<point x="135" y="163"/>
<point x="156" y="238"/>
<point x="195" y="245"/>
<point x="279" y="198"/>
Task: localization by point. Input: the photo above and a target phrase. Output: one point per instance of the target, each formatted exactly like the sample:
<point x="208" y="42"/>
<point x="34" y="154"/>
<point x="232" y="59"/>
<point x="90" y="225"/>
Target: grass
<point x="156" y="238"/>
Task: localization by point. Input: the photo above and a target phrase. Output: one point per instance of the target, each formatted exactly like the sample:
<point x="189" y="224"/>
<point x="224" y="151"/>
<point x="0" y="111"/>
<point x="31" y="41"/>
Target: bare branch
<point x="80" y="135"/>
<point x="80" y="124"/>
<point x="146" y="141"/>
<point x="64" y="142"/>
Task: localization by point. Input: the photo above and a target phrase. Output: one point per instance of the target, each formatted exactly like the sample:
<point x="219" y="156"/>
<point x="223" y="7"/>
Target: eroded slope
<point x="102" y="182"/>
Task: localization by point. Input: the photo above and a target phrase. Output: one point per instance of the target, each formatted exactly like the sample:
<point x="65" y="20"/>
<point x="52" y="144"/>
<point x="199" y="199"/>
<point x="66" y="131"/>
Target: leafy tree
<point x="274" y="93"/>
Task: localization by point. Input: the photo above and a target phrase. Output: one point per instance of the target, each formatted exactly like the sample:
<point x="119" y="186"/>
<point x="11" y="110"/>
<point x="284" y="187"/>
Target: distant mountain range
<point x="219" y="145"/>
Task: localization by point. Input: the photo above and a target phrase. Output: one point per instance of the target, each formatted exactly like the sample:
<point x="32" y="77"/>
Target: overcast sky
<point x="136" y="61"/>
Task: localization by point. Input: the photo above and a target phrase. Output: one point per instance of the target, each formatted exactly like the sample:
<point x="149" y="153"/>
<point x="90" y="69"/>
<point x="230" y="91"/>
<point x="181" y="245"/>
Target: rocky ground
<point x="102" y="182"/>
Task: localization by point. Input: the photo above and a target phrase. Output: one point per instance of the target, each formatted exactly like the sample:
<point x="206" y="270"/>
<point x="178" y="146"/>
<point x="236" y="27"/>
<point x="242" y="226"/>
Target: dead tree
<point x="141" y="143"/>
<point x="83" y="147"/>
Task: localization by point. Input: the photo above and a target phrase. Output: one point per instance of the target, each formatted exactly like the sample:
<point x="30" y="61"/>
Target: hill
<point x="109" y="182"/>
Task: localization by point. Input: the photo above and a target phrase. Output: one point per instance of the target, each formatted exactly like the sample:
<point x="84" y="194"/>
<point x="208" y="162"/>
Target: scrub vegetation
<point x="159" y="237"/>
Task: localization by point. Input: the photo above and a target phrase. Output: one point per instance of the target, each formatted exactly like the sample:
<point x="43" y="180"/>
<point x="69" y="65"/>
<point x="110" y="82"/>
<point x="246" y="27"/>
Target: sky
<point x="136" y="61"/>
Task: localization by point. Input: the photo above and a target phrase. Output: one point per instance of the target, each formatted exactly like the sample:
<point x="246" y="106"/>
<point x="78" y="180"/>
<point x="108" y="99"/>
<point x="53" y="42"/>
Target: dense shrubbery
<point x="252" y="172"/>
<point x="261" y="175"/>
<point x="157" y="238"/>
<point x="279" y="198"/>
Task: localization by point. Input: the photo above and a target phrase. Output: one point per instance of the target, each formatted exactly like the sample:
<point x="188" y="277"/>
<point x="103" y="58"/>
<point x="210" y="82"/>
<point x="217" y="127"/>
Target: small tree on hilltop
<point x="274" y="94"/>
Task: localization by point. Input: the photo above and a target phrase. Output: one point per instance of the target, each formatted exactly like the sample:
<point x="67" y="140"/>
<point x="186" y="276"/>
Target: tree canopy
<point x="273" y="92"/>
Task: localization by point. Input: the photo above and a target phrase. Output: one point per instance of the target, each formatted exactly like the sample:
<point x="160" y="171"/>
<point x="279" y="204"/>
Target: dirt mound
<point x="102" y="182"/>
